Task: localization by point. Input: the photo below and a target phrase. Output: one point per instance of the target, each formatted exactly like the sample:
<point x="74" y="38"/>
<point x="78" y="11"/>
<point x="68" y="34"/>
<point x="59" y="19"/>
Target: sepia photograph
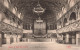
<point x="39" y="24"/>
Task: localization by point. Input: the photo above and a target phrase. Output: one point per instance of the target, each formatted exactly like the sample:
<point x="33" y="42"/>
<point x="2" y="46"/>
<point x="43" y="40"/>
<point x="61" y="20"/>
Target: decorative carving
<point x="8" y="28"/>
<point x="72" y="27"/>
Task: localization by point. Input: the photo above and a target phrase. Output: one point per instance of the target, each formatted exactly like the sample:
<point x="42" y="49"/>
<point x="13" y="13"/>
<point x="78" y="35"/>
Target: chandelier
<point x="38" y="9"/>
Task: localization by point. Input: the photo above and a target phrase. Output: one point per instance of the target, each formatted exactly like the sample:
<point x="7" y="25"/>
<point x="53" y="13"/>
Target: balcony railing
<point x="9" y="28"/>
<point x="75" y="26"/>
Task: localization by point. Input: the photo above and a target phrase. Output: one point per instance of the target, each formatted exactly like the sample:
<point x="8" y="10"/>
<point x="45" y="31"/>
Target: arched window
<point x="72" y="16"/>
<point x="65" y="21"/>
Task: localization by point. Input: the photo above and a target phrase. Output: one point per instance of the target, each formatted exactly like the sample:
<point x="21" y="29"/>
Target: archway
<point x="72" y="16"/>
<point x="65" y="21"/>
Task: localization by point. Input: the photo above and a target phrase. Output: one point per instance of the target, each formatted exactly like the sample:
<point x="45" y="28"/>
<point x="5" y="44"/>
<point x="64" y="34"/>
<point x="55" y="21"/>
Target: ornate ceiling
<point x="26" y="8"/>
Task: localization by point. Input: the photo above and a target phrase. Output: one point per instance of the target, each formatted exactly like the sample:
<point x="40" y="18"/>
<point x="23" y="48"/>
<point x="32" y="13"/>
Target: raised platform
<point x="41" y="40"/>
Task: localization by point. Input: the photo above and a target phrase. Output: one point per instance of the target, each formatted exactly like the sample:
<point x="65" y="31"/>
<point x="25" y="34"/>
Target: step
<point x="41" y="40"/>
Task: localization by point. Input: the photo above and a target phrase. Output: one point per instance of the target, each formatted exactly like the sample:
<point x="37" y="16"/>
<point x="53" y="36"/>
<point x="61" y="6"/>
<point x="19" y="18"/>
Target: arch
<point x="72" y="16"/>
<point x="65" y="21"/>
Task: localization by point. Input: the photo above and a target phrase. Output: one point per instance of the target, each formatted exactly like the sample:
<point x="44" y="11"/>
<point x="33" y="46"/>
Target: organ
<point x="40" y="28"/>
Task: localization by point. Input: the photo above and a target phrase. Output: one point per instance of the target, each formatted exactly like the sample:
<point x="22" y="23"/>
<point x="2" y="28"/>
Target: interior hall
<point x="38" y="23"/>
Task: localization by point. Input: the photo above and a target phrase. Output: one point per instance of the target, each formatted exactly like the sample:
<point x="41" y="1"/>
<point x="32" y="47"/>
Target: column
<point x="62" y="36"/>
<point x="77" y="38"/>
<point x="27" y="26"/>
<point x="14" y="38"/>
<point x="0" y="40"/>
<point x="11" y="38"/>
<point x="58" y="37"/>
<point x="28" y="40"/>
<point x="67" y="38"/>
<point x="18" y="38"/>
<point x="73" y="39"/>
<point x="7" y="38"/>
<point x="30" y="27"/>
<point x="49" y="27"/>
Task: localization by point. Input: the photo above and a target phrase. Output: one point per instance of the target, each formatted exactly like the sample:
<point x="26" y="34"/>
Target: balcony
<point x="4" y="27"/>
<point x="75" y="26"/>
<point x="27" y="31"/>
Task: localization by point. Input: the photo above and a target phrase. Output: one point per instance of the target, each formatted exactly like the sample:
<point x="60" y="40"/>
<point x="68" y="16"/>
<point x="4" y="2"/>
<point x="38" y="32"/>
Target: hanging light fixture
<point x="38" y="9"/>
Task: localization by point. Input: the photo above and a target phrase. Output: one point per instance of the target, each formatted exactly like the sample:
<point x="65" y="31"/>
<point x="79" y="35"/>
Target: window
<point x="65" y="21"/>
<point x="72" y="16"/>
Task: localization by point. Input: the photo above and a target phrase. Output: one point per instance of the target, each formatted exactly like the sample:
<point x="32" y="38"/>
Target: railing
<point x="75" y="26"/>
<point x="9" y="28"/>
<point x="51" y="31"/>
<point x="27" y="31"/>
